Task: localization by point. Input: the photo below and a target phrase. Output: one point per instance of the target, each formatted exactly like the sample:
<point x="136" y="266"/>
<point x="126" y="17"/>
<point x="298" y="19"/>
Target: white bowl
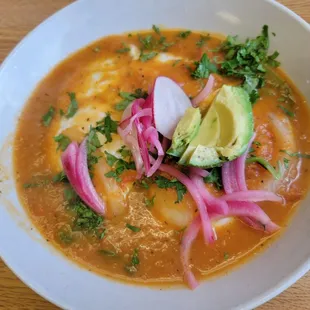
<point x="61" y="281"/>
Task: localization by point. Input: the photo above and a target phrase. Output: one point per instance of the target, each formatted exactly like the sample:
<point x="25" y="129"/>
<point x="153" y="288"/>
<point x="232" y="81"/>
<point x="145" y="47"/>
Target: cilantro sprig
<point x="248" y="61"/>
<point x="127" y="98"/>
<point x="163" y="182"/>
<point x="204" y="67"/>
<point x="107" y="126"/>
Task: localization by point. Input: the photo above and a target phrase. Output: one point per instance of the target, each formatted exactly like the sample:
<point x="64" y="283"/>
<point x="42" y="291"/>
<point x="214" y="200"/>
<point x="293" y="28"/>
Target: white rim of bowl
<point x="252" y="304"/>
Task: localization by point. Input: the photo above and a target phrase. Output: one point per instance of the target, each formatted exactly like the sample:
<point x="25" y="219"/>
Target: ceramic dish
<point x="64" y="283"/>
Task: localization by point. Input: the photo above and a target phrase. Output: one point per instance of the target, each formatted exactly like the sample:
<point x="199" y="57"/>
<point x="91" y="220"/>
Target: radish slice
<point x="185" y="180"/>
<point x="169" y="105"/>
<point x="89" y="194"/>
<point x="189" y="236"/>
<point x="205" y="92"/>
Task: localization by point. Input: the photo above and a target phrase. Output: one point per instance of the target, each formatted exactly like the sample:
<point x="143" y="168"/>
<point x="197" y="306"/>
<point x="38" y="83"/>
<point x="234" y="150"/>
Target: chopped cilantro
<point x="124" y="49"/>
<point x="61" y="112"/>
<point x="147" y="56"/>
<point x="184" y="34"/>
<point x="286" y="111"/>
<point x="156" y="29"/>
<point x="111" y="159"/>
<point x="163" y="182"/>
<point x="203" y="40"/>
<point x="93" y="144"/>
<point x="226" y="255"/>
<point x="248" y="61"/>
<point x="86" y="218"/>
<point x="73" y="107"/>
<point x="129" y="97"/>
<point x="119" y="166"/>
<point x="107" y="126"/>
<point x="297" y="154"/>
<point x="257" y="143"/>
<point x="60" y="177"/>
<point x="63" y="142"/>
<point x="102" y="234"/>
<point x="65" y="237"/>
<point x="147" y="42"/>
<point x="36" y="184"/>
<point x="150" y="202"/>
<point x="203" y="68"/>
<point x="69" y="194"/>
<point x="107" y="253"/>
<point x="135" y="261"/>
<point x="48" y="117"/>
<point x="176" y="62"/>
<point x="133" y="228"/>
<point x="215" y="178"/>
<point x="124" y="152"/>
<point x="286" y="162"/>
<point x="144" y="183"/>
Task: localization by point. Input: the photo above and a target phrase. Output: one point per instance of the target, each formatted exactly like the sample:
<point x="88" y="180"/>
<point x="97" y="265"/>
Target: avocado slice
<point x="208" y="134"/>
<point x="185" y="131"/>
<point x="234" y="128"/>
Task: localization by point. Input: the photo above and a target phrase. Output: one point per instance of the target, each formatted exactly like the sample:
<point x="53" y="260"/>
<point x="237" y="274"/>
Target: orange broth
<point x="96" y="74"/>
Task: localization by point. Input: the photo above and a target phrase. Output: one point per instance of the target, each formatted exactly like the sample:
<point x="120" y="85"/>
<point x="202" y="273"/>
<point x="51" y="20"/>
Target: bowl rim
<point x="284" y="284"/>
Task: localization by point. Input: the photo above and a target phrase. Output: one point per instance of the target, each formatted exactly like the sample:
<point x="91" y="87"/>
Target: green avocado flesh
<point x="224" y="132"/>
<point x="185" y="131"/>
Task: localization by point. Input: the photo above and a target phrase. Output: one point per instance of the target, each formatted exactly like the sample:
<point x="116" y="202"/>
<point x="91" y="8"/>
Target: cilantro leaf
<point x="215" y="178"/>
<point x="156" y="29"/>
<point x="107" y="126"/>
<point x="202" y="41"/>
<point x="93" y="143"/>
<point x="203" y="68"/>
<point x="150" y="202"/>
<point x="135" y="261"/>
<point x="286" y="111"/>
<point x="147" y="56"/>
<point x="124" y="49"/>
<point x="60" y="177"/>
<point x="286" y="162"/>
<point x="124" y="152"/>
<point x="111" y="159"/>
<point x="73" y="107"/>
<point x="63" y="142"/>
<point x="65" y="237"/>
<point x="133" y="228"/>
<point x="129" y="97"/>
<point x="86" y="218"/>
<point x="107" y="253"/>
<point x="119" y="166"/>
<point x="147" y="42"/>
<point x="163" y="182"/>
<point x="184" y="34"/>
<point x="70" y="194"/>
<point x="48" y="117"/>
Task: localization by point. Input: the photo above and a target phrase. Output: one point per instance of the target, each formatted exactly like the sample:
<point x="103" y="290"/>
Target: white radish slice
<point x="169" y="105"/>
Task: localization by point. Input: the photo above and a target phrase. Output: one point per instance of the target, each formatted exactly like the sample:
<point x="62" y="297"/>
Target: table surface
<point x="17" y="18"/>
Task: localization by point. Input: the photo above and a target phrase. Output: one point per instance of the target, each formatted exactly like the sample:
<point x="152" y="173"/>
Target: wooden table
<point x="17" y="18"/>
